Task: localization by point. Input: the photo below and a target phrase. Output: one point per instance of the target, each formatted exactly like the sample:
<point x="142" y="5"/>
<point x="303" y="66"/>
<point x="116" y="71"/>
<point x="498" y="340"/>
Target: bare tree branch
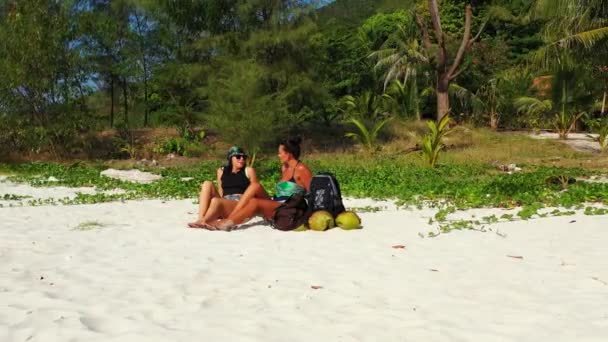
<point x="426" y="40"/>
<point x="457" y="73"/>
<point x="483" y="26"/>
<point x="436" y="20"/>
<point x="441" y="51"/>
<point x="464" y="45"/>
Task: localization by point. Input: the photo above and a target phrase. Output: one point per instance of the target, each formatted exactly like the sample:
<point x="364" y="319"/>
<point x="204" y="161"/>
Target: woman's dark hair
<point x="292" y="145"/>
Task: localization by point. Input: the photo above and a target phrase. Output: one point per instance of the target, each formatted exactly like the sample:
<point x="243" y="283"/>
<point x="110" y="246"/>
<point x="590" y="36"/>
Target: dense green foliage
<point x="252" y="71"/>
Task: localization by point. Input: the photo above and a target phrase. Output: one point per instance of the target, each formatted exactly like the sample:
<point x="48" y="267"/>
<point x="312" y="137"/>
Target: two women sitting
<point x="240" y="196"/>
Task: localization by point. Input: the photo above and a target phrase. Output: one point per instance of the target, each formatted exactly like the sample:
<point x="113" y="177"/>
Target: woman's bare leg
<point x="254" y="190"/>
<point x="219" y="208"/>
<point x="253" y="207"/>
<point x="207" y="193"/>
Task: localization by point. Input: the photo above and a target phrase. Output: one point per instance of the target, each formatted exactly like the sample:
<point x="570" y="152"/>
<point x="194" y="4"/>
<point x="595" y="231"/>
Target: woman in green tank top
<point x="286" y="188"/>
<point x="295" y="179"/>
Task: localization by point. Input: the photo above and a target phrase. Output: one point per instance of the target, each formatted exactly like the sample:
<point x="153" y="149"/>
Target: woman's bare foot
<point x="226" y="225"/>
<point x="198" y="224"/>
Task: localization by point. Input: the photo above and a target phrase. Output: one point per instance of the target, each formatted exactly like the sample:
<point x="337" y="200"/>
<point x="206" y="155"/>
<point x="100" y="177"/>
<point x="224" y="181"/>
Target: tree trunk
<point x="111" y="101"/>
<point x="126" y="103"/>
<point x="414" y="99"/>
<point x="445" y="72"/>
<point x="443" y="99"/>
<point x="144" y="63"/>
<point x="493" y="121"/>
<point x="83" y="103"/>
<point x="146" y="108"/>
<point x="604" y="104"/>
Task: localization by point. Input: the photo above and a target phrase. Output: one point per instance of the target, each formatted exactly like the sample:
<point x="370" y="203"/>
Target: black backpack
<point x="325" y="193"/>
<point x="292" y="213"/>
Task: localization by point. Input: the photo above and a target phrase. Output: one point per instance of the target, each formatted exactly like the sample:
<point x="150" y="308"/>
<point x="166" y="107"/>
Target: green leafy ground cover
<point x="534" y="193"/>
<point x="411" y="184"/>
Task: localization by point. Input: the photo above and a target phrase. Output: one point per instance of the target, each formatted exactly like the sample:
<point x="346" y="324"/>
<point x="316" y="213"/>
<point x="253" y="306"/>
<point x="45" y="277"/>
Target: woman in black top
<point x="232" y="181"/>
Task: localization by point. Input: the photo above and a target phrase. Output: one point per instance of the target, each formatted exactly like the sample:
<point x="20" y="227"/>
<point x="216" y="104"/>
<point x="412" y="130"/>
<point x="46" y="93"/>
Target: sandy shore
<point x="133" y="272"/>
<point x="578" y="141"/>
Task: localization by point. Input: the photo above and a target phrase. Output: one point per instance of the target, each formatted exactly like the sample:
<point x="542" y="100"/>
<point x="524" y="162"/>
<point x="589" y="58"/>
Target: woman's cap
<point x="234" y="151"/>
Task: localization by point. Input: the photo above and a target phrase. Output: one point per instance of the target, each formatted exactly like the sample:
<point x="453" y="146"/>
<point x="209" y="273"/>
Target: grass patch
<point x="481" y="145"/>
<point x="89" y="225"/>
<point x="595" y="211"/>
<point x="366" y="209"/>
<point x="13" y="197"/>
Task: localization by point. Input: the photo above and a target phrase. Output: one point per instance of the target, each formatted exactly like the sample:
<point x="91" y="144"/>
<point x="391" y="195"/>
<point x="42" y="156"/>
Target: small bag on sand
<point x="293" y="213"/>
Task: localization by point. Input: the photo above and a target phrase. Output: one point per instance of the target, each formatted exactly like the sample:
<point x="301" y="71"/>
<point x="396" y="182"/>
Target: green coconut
<point x="321" y="220"/>
<point x="301" y="228"/>
<point x="348" y="220"/>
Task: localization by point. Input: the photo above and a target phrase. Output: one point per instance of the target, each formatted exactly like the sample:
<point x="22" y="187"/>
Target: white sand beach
<point x="133" y="272"/>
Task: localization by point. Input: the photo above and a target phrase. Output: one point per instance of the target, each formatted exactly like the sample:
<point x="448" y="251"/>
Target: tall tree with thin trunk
<point x="125" y="97"/>
<point x="107" y="36"/>
<point x="446" y="68"/>
<point x="140" y="25"/>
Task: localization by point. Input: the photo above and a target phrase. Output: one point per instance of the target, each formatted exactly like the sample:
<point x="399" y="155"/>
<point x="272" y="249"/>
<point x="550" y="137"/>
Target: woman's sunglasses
<point x="240" y="156"/>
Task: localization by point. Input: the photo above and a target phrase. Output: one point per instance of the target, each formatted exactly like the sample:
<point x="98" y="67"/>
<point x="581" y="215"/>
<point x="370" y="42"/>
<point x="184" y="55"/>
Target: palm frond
<point x="586" y="38"/>
<point x="532" y="105"/>
<point x="459" y="91"/>
<point x="379" y="126"/>
<point x="356" y="137"/>
<point x="500" y="13"/>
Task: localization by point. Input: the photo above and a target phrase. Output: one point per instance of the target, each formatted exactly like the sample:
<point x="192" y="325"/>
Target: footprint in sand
<point x="113" y="326"/>
<point x="91" y="324"/>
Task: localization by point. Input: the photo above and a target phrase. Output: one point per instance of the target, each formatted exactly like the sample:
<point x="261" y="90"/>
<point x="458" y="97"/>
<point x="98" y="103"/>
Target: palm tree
<point x="432" y="143"/>
<point x="571" y="25"/>
<point x="534" y="108"/>
<point x="405" y="97"/>
<point x="600" y="127"/>
<point x="488" y="101"/>
<point x="366" y="137"/>
<point x="569" y="99"/>
<point x="367" y="106"/>
<point x="367" y="112"/>
<point x="574" y="30"/>
<point x="399" y="57"/>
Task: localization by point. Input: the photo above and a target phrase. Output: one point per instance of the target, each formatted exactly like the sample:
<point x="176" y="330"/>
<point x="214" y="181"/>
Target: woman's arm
<point x="303" y="176"/>
<point x="220" y="172"/>
<point x="253" y="177"/>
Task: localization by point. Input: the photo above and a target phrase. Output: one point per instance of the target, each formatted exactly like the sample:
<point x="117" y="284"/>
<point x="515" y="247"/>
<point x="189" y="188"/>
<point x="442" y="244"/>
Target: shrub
<point x="600" y="127"/>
